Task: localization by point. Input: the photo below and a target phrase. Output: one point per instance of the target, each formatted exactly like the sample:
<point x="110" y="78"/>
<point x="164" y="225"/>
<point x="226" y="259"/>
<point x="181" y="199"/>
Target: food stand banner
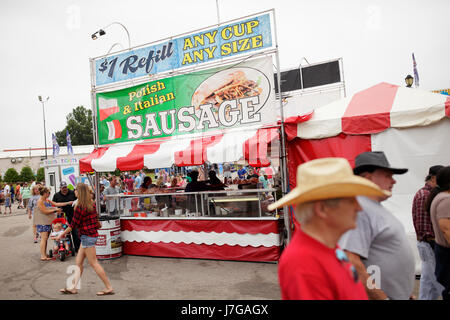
<point x="237" y="38"/>
<point x="239" y="95"/>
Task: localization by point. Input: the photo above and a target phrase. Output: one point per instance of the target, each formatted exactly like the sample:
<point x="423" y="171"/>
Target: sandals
<point x="46" y="259"/>
<point x="67" y="291"/>
<point x="105" y="293"/>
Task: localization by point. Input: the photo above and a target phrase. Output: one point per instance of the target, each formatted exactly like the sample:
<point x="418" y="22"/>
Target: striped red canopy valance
<point x="251" y="145"/>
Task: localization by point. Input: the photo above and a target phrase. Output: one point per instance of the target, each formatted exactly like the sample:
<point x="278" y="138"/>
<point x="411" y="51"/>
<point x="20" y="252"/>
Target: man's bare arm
<point x="375" y="293"/>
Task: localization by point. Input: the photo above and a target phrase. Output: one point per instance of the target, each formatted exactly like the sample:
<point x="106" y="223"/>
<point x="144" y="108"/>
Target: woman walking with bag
<point x="85" y="219"/>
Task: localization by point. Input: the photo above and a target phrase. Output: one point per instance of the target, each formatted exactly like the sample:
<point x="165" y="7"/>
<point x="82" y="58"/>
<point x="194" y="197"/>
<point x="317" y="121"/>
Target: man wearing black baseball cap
<point x="429" y="288"/>
<point x="67" y="195"/>
<point x="379" y="244"/>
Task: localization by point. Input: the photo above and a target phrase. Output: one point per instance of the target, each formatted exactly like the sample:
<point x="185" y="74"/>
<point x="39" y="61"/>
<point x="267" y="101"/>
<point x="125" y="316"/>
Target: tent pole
<point x="95" y="134"/>
<point x="282" y="137"/>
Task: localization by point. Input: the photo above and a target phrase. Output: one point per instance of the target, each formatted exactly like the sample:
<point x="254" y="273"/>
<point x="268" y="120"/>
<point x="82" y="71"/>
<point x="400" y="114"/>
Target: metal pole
<point x="45" y="134"/>
<point x="342" y="72"/>
<point x="218" y="16"/>
<point x="283" y="146"/>
<point x="95" y="134"/>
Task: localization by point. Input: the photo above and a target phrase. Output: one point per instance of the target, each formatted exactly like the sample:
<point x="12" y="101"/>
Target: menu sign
<point x="214" y="99"/>
<point x="240" y="37"/>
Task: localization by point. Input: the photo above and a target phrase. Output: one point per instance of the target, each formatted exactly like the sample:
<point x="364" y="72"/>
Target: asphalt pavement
<point x="23" y="276"/>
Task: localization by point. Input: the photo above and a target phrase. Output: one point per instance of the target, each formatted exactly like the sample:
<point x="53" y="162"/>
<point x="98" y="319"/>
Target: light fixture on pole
<point x="409" y="81"/>
<point x="102" y="32"/>
<point x="43" y="115"/>
<point x="99" y="32"/>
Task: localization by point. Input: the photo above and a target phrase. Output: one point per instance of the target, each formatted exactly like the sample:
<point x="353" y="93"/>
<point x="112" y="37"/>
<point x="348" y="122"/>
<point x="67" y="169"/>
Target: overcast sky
<point x="46" y="46"/>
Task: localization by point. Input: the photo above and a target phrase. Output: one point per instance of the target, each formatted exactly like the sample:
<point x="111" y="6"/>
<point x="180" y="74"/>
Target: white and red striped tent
<point x="252" y="145"/>
<point x="411" y="126"/>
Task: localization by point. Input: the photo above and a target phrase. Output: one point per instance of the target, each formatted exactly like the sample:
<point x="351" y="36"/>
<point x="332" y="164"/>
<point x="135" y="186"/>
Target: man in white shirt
<point x="379" y="243"/>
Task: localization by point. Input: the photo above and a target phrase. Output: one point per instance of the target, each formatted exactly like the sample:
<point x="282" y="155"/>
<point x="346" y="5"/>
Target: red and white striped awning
<point x="374" y="110"/>
<point x="251" y="145"/>
<point x="215" y="238"/>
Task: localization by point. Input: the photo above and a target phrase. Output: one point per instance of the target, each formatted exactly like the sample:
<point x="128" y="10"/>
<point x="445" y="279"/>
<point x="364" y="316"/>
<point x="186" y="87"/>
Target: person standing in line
<point x="21" y="201"/>
<point x="438" y="204"/>
<point x="251" y="174"/>
<point x="112" y="189"/>
<point x="8" y="202"/>
<point x="86" y="220"/>
<point x="105" y="181"/>
<point x="241" y="173"/>
<point x="137" y="181"/>
<point x="429" y="288"/>
<point x="379" y="244"/>
<point x="2" y="198"/>
<point x="25" y="193"/>
<point x="12" y="194"/>
<point x="66" y="195"/>
<point x="312" y="266"/>
<point x="17" y="193"/>
<point x="129" y="183"/>
<point x="31" y="205"/>
<point x="227" y="171"/>
<point x="33" y="183"/>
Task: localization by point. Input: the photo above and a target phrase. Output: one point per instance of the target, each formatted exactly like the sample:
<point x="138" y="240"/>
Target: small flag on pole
<point x="69" y="143"/>
<point x="55" y="146"/>
<point x="416" y="74"/>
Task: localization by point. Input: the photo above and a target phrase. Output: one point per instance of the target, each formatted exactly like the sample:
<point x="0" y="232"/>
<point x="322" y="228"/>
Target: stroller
<point x="62" y="253"/>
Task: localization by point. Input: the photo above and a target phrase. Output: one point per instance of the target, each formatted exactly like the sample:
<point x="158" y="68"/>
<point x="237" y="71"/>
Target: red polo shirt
<point x="309" y="270"/>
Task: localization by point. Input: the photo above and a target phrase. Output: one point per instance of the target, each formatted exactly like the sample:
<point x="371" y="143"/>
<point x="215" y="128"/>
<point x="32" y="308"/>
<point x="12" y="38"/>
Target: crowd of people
<point x="19" y="193"/>
<point x="140" y="182"/>
<point x="194" y="180"/>
<point x="347" y="245"/>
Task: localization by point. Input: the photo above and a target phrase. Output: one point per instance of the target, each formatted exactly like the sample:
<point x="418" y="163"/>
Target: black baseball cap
<point x="433" y="171"/>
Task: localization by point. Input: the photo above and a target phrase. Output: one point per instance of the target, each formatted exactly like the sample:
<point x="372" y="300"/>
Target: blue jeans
<point x="87" y="242"/>
<point x="429" y="288"/>
<point x="443" y="269"/>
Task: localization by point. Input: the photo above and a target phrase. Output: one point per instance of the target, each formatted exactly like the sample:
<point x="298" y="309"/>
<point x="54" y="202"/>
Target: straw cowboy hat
<point x="327" y="178"/>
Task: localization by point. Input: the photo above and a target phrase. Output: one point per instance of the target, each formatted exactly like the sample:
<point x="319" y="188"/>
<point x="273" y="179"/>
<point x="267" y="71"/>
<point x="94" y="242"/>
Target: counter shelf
<point x="221" y="225"/>
<point x="250" y="203"/>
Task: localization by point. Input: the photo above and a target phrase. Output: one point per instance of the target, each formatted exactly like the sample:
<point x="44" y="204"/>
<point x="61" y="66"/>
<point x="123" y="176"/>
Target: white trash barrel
<point x="109" y="243"/>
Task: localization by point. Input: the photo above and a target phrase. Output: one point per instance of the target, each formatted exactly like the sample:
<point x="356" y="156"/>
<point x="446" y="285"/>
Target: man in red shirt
<point x="312" y="266"/>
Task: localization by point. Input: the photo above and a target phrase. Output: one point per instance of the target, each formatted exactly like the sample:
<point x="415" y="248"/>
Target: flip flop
<point x="46" y="259"/>
<point x="67" y="291"/>
<point x="105" y="293"/>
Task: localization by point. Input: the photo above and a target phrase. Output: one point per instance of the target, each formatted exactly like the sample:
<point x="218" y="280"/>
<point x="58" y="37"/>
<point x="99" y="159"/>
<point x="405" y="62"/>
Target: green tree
<point x="40" y="175"/>
<point x="79" y="124"/>
<point x="26" y="174"/>
<point x="11" y="175"/>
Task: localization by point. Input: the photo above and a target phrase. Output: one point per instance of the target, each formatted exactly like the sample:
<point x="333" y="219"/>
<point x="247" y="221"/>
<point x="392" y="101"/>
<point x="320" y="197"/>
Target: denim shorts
<point x="43" y="228"/>
<point x="88" y="242"/>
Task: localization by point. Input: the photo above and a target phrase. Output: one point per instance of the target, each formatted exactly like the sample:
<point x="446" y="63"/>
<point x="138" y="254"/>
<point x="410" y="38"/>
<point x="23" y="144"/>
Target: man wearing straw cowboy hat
<point x="379" y="244"/>
<point x="313" y="267"/>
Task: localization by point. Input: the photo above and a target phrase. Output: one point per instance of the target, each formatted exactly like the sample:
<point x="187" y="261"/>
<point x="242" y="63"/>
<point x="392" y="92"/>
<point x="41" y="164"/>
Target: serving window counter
<point x="223" y="225"/>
